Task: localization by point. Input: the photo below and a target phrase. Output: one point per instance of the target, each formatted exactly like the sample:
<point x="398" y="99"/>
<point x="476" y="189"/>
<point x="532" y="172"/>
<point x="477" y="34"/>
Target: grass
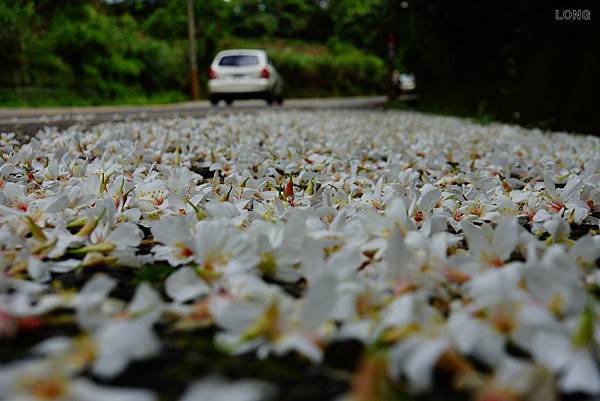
<point x="39" y="97"/>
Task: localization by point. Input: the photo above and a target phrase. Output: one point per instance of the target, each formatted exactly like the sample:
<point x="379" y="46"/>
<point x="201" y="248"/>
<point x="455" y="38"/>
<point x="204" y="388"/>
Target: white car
<point x="244" y="74"/>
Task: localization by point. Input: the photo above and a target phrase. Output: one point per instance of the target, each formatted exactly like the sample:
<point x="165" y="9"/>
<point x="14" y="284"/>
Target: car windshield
<point x="238" y="60"/>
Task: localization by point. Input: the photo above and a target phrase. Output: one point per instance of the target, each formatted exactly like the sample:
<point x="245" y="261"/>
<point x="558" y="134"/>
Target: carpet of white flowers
<point x="393" y="253"/>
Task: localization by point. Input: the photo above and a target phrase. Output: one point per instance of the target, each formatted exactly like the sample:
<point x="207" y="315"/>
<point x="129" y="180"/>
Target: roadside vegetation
<point x="86" y="53"/>
<point x="510" y="61"/>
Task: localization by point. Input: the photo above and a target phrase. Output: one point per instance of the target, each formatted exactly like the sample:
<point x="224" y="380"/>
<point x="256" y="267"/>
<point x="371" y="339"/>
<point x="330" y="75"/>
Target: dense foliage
<point x="98" y="52"/>
<point x="509" y="60"/>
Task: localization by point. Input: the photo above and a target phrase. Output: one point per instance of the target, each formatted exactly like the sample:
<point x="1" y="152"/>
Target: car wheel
<point x="213" y="100"/>
<point x="279" y="100"/>
<point x="229" y="102"/>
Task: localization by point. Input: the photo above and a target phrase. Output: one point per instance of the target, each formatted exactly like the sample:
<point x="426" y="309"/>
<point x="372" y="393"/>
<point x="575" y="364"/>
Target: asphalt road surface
<point x="29" y="121"/>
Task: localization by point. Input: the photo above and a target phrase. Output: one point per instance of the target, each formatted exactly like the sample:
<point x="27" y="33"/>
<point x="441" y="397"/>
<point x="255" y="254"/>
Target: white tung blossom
<point x="433" y="240"/>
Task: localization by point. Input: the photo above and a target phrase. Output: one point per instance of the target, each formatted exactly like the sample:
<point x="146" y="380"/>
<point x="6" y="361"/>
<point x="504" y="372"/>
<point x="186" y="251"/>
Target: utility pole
<point x="192" y="40"/>
<point x="391" y="50"/>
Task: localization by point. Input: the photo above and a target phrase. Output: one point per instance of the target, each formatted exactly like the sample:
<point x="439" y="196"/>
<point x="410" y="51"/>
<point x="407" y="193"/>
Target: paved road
<point x="29" y="121"/>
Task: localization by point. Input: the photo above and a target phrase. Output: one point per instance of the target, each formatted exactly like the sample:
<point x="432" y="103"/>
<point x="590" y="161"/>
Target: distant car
<point x="402" y="84"/>
<point x="407" y="83"/>
<point x="244" y="74"/>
